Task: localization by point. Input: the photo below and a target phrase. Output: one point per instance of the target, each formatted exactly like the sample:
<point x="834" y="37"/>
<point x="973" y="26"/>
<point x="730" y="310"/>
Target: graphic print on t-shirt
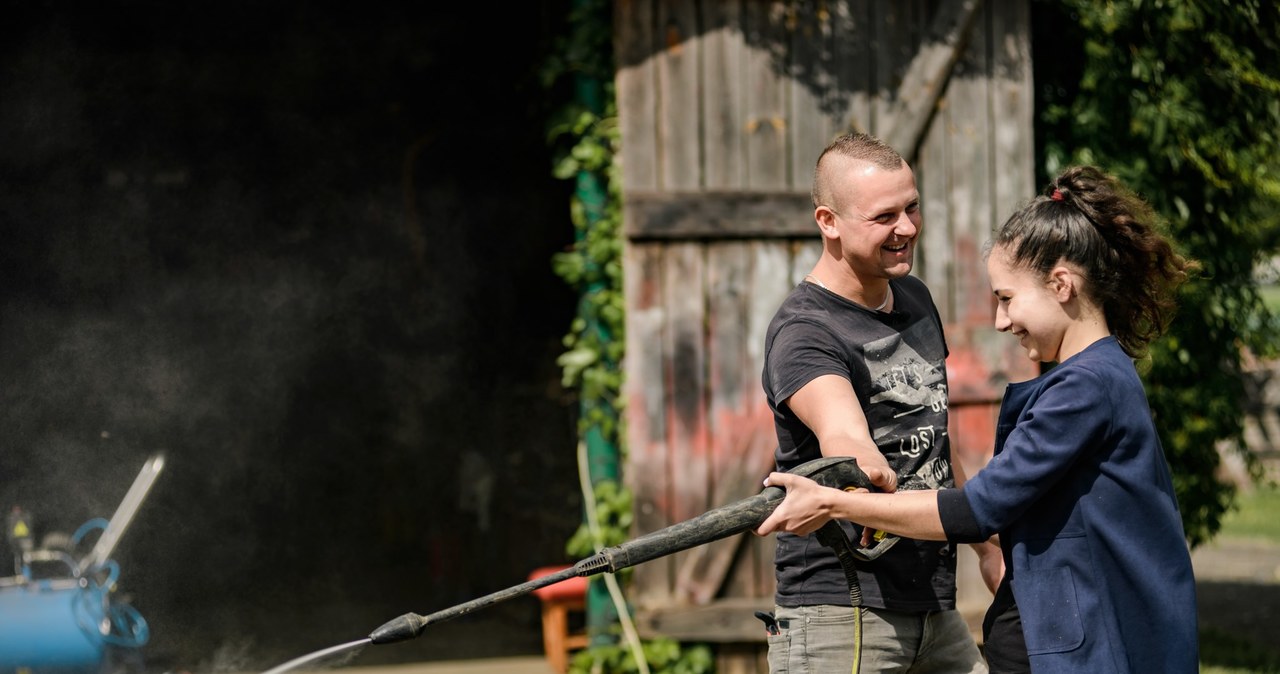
<point x="909" y="399"/>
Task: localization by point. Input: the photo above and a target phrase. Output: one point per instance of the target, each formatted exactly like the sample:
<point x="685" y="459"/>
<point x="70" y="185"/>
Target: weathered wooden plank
<point x="646" y="470"/>
<point x="636" y="89"/>
<point x="703" y="571"/>
<point x="723" y="50"/>
<point x="725" y="620"/>
<point x="1012" y="108"/>
<point x="893" y="42"/>
<point x="766" y="95"/>
<point x="934" y="259"/>
<point x="744" y="288"/>
<point x="770" y="282"/>
<point x="970" y="129"/>
<point x="927" y="74"/>
<point x="685" y="368"/>
<point x="680" y="156"/>
<point x="804" y="255"/>
<point x="854" y="61"/>
<point x="814" y="111"/>
<point x="716" y="215"/>
<point x="739" y="658"/>
<point x="1013" y="157"/>
<point x="995" y="359"/>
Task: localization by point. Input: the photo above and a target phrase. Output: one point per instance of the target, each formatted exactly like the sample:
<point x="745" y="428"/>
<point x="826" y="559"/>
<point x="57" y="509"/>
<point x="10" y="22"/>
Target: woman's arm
<point x="808" y="506"/>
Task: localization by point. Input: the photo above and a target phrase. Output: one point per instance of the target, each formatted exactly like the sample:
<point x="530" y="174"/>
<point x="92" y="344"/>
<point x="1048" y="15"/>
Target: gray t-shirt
<point x="896" y="362"/>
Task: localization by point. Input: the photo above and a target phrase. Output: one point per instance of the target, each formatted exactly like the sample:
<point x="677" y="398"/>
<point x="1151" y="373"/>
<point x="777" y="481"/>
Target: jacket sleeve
<point x="1058" y="428"/>
<point x="958" y="522"/>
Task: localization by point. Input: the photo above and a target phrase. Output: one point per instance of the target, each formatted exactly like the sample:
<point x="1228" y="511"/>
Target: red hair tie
<point x="1057" y="194"/>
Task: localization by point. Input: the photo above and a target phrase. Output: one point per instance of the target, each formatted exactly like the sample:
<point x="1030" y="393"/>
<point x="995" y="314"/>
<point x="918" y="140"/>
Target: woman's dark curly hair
<point x="1089" y="219"/>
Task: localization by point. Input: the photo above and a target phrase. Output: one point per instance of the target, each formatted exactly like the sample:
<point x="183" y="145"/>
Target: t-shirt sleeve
<point x="802" y="352"/>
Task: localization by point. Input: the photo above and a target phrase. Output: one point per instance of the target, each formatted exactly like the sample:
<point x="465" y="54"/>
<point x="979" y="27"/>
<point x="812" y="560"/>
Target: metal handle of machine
<point x="124" y="513"/>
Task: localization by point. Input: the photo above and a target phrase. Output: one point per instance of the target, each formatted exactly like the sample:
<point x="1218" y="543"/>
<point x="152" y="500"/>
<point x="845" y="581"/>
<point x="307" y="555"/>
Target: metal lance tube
<point x="411" y="625"/>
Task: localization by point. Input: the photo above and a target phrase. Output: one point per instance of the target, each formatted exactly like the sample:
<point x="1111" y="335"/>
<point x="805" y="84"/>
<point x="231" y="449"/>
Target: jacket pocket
<point x="1050" y="610"/>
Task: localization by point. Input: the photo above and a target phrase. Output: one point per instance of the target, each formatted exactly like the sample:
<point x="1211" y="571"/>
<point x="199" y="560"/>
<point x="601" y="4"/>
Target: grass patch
<point x="1222" y="653"/>
<point x="1257" y="515"/>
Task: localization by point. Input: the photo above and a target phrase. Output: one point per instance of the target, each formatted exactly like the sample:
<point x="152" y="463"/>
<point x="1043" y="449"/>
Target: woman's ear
<point x="1063" y="281"/>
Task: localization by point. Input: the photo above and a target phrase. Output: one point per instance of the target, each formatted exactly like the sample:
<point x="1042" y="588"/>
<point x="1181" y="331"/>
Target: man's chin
<point x="898" y="270"/>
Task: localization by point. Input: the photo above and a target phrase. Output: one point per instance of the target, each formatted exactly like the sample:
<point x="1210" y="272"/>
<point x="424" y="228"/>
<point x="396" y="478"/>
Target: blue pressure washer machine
<point x="60" y="613"/>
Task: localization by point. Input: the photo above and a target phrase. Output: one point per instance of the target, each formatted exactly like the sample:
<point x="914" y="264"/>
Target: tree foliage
<point x="1180" y="99"/>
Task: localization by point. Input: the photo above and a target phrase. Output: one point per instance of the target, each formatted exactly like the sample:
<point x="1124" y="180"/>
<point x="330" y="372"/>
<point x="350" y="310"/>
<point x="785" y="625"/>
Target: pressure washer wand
<point x="727" y="520"/>
<point x="713" y="525"/>
<point x="411" y="625"/>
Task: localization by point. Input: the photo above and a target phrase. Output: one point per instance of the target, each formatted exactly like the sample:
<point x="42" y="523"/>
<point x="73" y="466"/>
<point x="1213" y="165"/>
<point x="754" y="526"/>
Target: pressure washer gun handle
<point x="884" y="541"/>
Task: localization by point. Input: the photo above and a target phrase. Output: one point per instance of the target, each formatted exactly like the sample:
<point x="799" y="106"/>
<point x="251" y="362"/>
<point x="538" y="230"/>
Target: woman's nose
<point x="1002" y="319"/>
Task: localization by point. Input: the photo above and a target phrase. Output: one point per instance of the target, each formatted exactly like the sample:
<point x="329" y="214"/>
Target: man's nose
<point x="906" y="226"/>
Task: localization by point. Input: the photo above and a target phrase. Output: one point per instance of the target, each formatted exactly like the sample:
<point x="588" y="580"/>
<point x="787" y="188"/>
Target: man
<point x="855" y="366"/>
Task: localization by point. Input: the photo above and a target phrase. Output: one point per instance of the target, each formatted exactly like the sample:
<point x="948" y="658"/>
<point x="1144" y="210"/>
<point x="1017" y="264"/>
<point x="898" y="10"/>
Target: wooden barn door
<point x="724" y="107"/>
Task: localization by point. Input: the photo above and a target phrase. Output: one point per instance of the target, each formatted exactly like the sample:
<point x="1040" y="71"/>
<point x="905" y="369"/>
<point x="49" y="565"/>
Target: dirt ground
<point x="1238" y="583"/>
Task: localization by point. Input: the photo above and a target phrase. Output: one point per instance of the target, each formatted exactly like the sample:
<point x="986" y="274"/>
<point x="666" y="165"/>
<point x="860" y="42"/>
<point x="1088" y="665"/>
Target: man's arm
<point x="830" y="408"/>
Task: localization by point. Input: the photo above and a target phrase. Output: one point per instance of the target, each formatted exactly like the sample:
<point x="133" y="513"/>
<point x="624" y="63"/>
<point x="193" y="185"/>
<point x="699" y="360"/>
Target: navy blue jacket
<point x="1081" y="495"/>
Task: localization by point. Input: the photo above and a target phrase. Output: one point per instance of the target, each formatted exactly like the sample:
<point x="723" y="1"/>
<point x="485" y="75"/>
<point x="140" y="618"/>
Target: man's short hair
<point x="853" y="145"/>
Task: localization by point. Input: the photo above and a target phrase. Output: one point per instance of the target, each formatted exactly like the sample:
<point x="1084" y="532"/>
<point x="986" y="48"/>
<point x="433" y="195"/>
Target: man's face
<point x="878" y="219"/>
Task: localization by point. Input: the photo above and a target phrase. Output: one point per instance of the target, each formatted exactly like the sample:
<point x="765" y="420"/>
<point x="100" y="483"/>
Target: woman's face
<point x="1028" y="306"/>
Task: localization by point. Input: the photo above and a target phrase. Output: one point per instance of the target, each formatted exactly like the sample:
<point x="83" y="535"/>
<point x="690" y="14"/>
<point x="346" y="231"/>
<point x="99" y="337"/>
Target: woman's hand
<point x="805" y="508"/>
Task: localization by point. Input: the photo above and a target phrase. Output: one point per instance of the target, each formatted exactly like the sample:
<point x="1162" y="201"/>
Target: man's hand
<point x="990" y="562"/>
<point x="882" y="476"/>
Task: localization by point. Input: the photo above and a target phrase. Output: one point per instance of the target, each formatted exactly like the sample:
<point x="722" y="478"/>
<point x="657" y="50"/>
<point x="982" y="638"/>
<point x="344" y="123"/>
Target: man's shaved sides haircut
<point x="852" y="145"/>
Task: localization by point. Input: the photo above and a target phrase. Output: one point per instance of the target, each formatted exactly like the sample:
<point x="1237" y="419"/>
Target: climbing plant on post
<point x="585" y="137"/>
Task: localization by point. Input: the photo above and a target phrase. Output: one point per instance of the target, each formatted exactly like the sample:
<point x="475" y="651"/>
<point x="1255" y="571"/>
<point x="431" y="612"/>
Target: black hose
<point x="832" y="536"/>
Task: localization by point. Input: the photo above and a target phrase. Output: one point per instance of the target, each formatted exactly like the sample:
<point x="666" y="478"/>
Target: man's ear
<point x="826" y="219"/>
